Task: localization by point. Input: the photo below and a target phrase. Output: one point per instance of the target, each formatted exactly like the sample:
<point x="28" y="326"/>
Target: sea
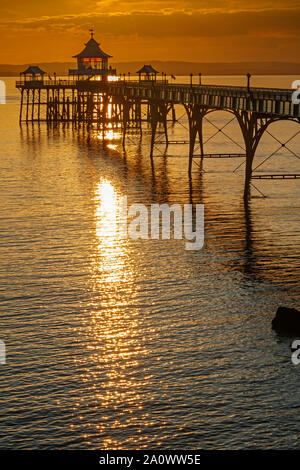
<point x="141" y="344"/>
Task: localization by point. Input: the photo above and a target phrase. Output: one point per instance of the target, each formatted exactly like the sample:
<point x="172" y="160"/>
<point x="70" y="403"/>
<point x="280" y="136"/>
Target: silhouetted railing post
<point x="248" y="81"/>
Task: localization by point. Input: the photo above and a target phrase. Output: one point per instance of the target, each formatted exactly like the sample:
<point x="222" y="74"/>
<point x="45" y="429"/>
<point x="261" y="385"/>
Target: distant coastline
<point x="171" y="67"/>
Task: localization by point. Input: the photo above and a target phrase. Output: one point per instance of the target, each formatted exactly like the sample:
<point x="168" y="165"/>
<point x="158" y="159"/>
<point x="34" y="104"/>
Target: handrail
<point x="163" y="85"/>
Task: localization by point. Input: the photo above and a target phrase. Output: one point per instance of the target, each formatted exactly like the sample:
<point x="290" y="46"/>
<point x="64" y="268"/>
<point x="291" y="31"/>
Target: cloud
<point x="50" y="8"/>
<point x="189" y="28"/>
<point x="283" y="23"/>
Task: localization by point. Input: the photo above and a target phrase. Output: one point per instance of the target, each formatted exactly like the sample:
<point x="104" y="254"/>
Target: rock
<point x="287" y="321"/>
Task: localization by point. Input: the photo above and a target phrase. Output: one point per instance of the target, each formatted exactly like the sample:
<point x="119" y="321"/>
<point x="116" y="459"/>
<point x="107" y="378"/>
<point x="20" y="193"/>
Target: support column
<point x="27" y="104"/>
<point x="39" y="105"/>
<point x="32" y="105"/>
<point x="158" y="114"/>
<point x="126" y="108"/>
<point x="173" y="113"/>
<point x="253" y="126"/>
<point x="195" y="114"/>
<point x="21" y="105"/>
<point x="89" y="108"/>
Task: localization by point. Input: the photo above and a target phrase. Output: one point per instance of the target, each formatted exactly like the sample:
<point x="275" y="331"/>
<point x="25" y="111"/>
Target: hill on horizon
<point x="171" y="67"/>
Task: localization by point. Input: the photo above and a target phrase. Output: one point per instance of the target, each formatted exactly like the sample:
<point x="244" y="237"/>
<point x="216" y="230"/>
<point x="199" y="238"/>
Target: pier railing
<point x="273" y="93"/>
<point x="62" y="99"/>
<point x="273" y="101"/>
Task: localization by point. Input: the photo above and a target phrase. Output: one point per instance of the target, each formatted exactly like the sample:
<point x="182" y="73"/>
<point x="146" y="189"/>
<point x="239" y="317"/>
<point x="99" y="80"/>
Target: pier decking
<point x="125" y="104"/>
<point x="269" y="101"/>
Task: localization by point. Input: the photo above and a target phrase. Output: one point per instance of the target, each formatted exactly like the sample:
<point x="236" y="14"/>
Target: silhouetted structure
<point x="111" y="103"/>
<point x="33" y="73"/>
<point x="92" y="61"/>
<point x="147" y="73"/>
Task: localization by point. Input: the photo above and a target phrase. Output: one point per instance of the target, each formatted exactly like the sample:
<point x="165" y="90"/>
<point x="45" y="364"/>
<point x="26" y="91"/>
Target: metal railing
<point x="224" y="90"/>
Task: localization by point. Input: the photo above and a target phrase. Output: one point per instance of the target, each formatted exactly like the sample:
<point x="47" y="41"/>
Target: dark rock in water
<point x="287" y="321"/>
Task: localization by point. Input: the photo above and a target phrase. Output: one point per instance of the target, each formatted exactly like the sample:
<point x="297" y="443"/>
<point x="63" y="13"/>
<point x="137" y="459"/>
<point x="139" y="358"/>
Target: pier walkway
<point x="122" y="104"/>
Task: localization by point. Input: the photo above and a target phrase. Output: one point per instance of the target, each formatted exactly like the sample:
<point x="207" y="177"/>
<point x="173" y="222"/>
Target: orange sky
<point x="189" y="30"/>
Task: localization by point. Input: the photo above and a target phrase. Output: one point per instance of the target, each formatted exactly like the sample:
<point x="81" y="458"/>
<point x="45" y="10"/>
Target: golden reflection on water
<point x="109" y="260"/>
<point x="114" y="346"/>
<point x="110" y="132"/>
<point x="109" y="135"/>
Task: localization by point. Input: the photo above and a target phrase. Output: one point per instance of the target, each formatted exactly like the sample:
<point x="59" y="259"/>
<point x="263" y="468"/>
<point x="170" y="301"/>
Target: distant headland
<point x="174" y="68"/>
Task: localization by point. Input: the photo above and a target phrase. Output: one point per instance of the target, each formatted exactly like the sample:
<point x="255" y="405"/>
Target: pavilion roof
<point x="92" y="51"/>
<point x="147" y="69"/>
<point x="33" y="70"/>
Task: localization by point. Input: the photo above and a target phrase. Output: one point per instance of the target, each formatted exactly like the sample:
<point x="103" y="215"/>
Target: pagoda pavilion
<point x="147" y="73"/>
<point x="33" y="73"/>
<point x="92" y="61"/>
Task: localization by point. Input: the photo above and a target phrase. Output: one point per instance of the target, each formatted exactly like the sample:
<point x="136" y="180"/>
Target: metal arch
<point x="253" y="125"/>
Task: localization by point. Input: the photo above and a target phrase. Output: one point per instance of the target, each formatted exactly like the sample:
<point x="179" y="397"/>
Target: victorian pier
<point x="94" y="95"/>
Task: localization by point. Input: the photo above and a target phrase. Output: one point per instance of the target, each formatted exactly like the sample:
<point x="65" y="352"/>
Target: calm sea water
<point x="123" y="344"/>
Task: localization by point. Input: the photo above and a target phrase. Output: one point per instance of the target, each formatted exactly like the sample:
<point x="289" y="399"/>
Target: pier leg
<point x="125" y="119"/>
<point x="158" y="114"/>
<point x="173" y="114"/>
<point x="195" y="114"/>
<point x="193" y="134"/>
<point x="166" y="131"/>
<point x="32" y="105"/>
<point x="21" y="105"/>
<point x="126" y="110"/>
<point x="200" y="135"/>
<point x="153" y="132"/>
<point x="248" y="173"/>
<point x="139" y="117"/>
<point x="253" y="126"/>
<point x="27" y="104"/>
<point x="39" y="106"/>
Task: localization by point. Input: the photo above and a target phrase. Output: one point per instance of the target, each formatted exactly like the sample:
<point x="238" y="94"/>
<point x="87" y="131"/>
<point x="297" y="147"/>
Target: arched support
<point x="130" y="116"/>
<point x="158" y="114"/>
<point x="171" y="108"/>
<point x="195" y="113"/>
<point x="253" y="126"/>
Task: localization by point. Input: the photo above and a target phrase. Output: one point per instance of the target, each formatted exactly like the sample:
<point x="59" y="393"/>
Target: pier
<point x="95" y="95"/>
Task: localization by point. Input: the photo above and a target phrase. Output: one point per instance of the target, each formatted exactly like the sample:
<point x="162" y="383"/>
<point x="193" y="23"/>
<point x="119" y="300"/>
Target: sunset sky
<point x="184" y="30"/>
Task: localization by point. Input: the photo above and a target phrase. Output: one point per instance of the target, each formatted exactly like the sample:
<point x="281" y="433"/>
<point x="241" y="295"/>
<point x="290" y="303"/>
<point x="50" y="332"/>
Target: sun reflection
<point x="115" y="347"/>
<point x="111" y="250"/>
<point x="109" y="134"/>
<point x="112" y="146"/>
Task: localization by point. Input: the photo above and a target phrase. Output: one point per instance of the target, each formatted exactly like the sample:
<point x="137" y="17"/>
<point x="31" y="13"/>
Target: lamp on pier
<point x="248" y="81"/>
<point x="191" y="77"/>
<point x="200" y="78"/>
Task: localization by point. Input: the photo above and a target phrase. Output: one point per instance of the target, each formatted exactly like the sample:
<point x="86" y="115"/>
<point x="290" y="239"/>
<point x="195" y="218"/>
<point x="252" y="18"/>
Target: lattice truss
<point x="260" y="126"/>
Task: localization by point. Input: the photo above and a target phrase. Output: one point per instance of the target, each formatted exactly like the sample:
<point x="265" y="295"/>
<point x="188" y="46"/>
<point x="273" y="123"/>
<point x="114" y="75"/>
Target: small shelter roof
<point x="147" y="69"/>
<point x="33" y="70"/>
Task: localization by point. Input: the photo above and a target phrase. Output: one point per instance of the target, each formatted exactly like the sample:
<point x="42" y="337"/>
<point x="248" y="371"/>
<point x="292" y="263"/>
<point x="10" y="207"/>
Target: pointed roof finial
<point x="92" y="33"/>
